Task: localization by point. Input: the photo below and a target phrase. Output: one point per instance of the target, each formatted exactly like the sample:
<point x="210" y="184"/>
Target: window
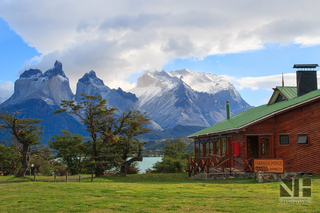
<point x="302" y="139"/>
<point x="284" y="139"/>
<point x="280" y="98"/>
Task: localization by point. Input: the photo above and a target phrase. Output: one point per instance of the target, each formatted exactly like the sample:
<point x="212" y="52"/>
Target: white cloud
<point x="266" y="82"/>
<point x="124" y="85"/>
<point x="6" y="90"/>
<point x="118" y="38"/>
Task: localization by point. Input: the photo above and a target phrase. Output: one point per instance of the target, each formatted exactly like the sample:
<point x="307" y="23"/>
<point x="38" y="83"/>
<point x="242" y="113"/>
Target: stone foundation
<point x="260" y="177"/>
<point x="221" y="176"/>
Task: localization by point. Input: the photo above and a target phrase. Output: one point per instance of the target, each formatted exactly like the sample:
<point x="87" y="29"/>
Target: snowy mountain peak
<point x="148" y="79"/>
<point x="203" y="82"/>
<point x="30" y="74"/>
<point x="55" y="71"/>
<point x="157" y="79"/>
<point x="91" y="78"/>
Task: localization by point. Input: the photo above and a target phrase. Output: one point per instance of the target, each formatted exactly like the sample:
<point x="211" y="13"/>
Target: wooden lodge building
<point x="283" y="135"/>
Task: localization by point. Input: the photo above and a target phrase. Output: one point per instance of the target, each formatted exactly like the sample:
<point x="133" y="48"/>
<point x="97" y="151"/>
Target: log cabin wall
<point x="300" y="157"/>
<point x="297" y="157"/>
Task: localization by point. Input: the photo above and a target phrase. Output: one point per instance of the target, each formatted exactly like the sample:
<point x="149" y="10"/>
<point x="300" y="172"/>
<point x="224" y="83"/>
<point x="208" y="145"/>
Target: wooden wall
<point x="297" y="157"/>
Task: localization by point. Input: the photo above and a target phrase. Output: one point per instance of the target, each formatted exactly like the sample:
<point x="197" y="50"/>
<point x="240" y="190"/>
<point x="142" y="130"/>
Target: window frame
<point x="303" y="134"/>
<point x="287" y="144"/>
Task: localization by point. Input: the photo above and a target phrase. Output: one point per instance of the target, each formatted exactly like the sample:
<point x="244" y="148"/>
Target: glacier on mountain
<point x="188" y="98"/>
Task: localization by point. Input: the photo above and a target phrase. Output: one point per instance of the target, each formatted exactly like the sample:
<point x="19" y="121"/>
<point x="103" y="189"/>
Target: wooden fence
<point x="219" y="164"/>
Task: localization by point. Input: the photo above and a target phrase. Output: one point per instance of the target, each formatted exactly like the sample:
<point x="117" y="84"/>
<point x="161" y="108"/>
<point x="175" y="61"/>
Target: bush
<point x="9" y="160"/>
<point x="133" y="169"/>
<point x="175" y="157"/>
<point x="170" y="165"/>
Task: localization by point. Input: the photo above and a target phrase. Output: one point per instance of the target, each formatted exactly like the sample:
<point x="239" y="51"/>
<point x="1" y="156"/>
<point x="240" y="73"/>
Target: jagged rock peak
<point x="55" y="71"/>
<point x="91" y="78"/>
<point x="31" y="73"/>
<point x="58" y="65"/>
<point x="127" y="95"/>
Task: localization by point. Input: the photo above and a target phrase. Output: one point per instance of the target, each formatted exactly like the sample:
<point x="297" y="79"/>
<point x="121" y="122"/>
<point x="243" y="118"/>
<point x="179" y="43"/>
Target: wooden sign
<point x="268" y="165"/>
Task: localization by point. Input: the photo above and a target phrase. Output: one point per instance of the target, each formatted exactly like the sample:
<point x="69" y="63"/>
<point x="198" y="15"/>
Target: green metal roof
<point x="288" y="92"/>
<point x="255" y="114"/>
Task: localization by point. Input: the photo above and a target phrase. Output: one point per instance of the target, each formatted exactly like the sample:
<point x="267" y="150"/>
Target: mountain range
<point x="171" y="99"/>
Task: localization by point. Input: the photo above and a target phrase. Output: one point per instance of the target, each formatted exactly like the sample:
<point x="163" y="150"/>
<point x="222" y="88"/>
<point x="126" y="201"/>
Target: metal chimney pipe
<point x="228" y="110"/>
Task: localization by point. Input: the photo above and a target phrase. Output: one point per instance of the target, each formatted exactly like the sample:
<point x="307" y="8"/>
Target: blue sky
<point x="251" y="44"/>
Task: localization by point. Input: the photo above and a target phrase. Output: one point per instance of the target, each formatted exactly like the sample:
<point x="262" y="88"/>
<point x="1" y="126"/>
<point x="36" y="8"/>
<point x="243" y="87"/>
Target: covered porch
<point x="229" y="153"/>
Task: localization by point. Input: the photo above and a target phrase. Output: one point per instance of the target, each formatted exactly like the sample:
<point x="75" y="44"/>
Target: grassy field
<point x="149" y="193"/>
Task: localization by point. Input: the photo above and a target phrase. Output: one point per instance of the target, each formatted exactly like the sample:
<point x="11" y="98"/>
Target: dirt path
<point x="10" y="183"/>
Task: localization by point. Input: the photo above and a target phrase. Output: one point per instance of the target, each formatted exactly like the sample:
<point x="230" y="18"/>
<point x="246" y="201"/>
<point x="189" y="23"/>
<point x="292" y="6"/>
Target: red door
<point x="265" y="147"/>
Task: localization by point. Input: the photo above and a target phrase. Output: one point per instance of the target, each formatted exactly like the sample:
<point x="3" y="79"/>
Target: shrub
<point x="175" y="158"/>
<point x="9" y="160"/>
<point x="133" y="169"/>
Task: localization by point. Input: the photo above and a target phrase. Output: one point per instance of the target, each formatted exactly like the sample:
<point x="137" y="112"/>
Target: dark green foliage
<point x="25" y="132"/>
<point x="93" y="113"/>
<point x="9" y="160"/>
<point x="175" y="157"/>
<point x="72" y="151"/>
<point x="170" y="165"/>
<point x="41" y="158"/>
<point x="128" y="145"/>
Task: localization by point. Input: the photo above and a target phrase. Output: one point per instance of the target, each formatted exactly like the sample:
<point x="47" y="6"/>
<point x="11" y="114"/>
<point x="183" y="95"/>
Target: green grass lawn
<point x="150" y="193"/>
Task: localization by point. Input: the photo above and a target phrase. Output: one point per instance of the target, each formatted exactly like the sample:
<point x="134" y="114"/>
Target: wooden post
<point x="34" y="179"/>
<point x="67" y="177"/>
<point x="55" y="177"/>
<point x="203" y="149"/>
<point x="92" y="177"/>
<point x="199" y="148"/>
<point x="189" y="166"/>
<point x="79" y="178"/>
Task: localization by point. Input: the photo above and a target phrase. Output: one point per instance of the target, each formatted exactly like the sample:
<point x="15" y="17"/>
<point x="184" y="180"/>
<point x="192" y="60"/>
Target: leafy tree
<point x="128" y="144"/>
<point x="25" y="131"/>
<point x="108" y="131"/>
<point x="74" y="153"/>
<point x="175" y="157"/>
<point x="9" y="160"/>
<point x="42" y="160"/>
<point x="91" y="111"/>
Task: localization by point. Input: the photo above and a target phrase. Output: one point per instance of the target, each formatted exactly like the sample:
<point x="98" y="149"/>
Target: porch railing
<point x="219" y="163"/>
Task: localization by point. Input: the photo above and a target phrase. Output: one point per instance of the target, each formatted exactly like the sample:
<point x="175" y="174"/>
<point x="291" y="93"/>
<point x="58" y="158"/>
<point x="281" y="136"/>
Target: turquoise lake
<point x="147" y="163"/>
